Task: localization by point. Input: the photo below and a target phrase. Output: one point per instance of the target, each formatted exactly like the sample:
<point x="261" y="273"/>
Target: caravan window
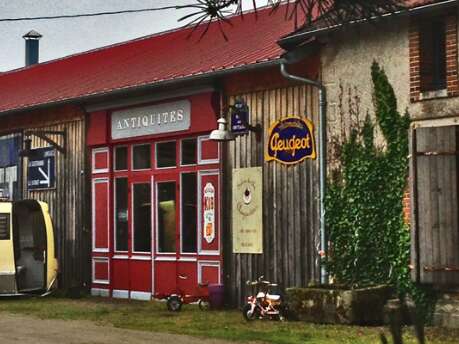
<point x="4" y="227"/>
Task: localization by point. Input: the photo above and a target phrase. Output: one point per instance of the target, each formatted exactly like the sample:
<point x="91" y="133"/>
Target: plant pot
<point x="337" y="305"/>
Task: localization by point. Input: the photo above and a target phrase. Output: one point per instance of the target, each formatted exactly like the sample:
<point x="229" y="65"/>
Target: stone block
<point x="335" y="305"/>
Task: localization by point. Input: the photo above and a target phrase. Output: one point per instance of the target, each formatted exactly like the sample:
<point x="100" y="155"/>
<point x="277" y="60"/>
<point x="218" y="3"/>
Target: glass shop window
<point x="166" y="154"/>
<point x="166" y="215"/>
<point x="142" y="217"/>
<point x="433" y="54"/>
<point x="188" y="151"/>
<point x="121" y="214"/>
<point x="141" y="157"/>
<point x="189" y="212"/>
<point x="121" y="158"/>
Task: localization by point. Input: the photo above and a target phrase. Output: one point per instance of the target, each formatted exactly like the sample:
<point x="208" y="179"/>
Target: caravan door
<point x="7" y="264"/>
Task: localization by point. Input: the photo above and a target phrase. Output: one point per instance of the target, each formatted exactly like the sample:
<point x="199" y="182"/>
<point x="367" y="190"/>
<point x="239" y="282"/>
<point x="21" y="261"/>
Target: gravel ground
<point x="21" y="329"/>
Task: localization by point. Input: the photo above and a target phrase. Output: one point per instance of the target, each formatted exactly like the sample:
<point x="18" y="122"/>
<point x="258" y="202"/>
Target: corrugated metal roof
<point x="170" y="55"/>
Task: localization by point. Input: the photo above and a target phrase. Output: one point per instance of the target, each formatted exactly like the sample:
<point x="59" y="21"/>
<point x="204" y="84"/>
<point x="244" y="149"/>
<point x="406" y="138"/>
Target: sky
<point x="63" y="37"/>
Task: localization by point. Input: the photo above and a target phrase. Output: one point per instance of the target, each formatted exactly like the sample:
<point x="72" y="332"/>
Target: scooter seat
<point x="273" y="297"/>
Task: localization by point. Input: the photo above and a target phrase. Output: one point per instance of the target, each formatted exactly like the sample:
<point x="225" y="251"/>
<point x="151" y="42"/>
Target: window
<point x="165" y="154"/>
<point x="166" y="211"/>
<point x="432" y="45"/>
<point x="142" y="217"/>
<point x="141" y="157"/>
<point x="188" y="151"/>
<point x="189" y="212"/>
<point x="121" y="159"/>
<point x="121" y="214"/>
<point x="4" y="227"/>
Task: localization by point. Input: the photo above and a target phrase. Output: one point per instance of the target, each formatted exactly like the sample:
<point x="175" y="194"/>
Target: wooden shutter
<point x="435" y="227"/>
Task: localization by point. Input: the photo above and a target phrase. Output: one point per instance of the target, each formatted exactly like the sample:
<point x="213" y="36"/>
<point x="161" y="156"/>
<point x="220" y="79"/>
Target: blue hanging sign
<point x="290" y="141"/>
<point x="41" y="169"/>
<point x="239" y="118"/>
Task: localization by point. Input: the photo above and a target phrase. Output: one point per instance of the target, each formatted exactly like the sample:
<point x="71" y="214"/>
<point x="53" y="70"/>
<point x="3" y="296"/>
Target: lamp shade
<point x="222" y="133"/>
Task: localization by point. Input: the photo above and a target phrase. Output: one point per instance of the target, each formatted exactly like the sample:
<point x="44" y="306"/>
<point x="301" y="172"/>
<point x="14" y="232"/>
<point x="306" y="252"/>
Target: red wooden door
<point x="140" y="238"/>
<point x="176" y="248"/>
<point x="132" y="246"/>
<point x="166" y="206"/>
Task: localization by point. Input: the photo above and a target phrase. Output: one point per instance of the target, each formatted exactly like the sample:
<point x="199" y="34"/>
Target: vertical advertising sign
<point x="248" y="210"/>
<point x="209" y="212"/>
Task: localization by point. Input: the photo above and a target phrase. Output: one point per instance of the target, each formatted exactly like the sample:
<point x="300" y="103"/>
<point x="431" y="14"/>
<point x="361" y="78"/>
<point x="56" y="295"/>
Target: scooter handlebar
<point x="261" y="282"/>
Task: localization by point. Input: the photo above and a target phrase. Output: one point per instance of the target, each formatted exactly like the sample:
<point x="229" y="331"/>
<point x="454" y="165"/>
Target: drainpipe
<point x="322" y="156"/>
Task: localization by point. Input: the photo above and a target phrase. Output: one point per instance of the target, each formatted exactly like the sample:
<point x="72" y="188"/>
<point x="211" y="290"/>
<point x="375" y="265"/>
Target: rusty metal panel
<point x="290" y="197"/>
<point x="67" y="201"/>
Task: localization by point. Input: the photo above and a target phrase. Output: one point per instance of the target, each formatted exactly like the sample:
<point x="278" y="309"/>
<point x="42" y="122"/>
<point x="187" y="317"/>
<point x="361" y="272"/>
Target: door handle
<point x="183" y="277"/>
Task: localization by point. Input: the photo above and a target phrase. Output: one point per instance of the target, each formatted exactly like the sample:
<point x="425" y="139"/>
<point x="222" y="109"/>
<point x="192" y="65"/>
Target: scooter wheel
<point x="248" y="314"/>
<point x="204" y="305"/>
<point x="174" y="303"/>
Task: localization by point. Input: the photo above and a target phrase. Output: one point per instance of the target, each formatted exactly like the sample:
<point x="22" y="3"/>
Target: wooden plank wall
<point x="67" y="202"/>
<point x="290" y="198"/>
<point x="437" y="206"/>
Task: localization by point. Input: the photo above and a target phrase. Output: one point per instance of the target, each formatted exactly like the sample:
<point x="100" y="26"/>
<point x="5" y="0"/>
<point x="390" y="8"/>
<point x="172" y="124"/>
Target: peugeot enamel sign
<point x="290" y="141"/>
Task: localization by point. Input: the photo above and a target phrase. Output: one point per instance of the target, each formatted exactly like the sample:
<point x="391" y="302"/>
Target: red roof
<point x="171" y="55"/>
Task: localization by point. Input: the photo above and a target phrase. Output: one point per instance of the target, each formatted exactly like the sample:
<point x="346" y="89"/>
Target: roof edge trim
<point x="93" y="97"/>
<point x="290" y="41"/>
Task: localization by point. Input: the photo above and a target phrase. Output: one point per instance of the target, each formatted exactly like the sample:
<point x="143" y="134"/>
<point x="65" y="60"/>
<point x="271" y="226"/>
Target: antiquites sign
<point x="247" y="210"/>
<point x="290" y="141"/>
<point x="150" y="120"/>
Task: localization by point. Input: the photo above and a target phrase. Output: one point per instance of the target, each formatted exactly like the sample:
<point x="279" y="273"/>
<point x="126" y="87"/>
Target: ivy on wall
<point x="369" y="240"/>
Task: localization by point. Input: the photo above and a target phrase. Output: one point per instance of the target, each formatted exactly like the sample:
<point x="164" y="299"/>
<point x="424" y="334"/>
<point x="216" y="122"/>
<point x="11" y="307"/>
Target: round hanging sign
<point x="291" y="140"/>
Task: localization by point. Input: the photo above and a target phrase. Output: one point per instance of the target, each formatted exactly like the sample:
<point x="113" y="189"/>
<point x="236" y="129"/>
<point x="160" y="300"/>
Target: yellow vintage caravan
<point x="28" y="263"/>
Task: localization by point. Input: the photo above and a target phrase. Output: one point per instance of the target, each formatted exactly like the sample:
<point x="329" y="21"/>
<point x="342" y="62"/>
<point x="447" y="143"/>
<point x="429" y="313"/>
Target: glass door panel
<point x="141" y="217"/>
<point x="121" y="214"/>
<point x="189" y="212"/>
<point x="166" y="215"/>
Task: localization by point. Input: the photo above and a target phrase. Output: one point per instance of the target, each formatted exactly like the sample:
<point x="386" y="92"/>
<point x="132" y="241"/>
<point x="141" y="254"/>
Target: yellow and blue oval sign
<point x="290" y="141"/>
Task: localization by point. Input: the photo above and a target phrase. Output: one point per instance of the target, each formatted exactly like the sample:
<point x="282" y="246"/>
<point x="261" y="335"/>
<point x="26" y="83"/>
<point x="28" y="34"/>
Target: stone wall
<point x="345" y="67"/>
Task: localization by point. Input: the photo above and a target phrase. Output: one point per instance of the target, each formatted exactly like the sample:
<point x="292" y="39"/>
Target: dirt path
<point x="21" y="329"/>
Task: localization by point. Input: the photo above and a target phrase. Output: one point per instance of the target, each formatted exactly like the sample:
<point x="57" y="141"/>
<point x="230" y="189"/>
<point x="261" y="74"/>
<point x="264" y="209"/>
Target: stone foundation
<point x="447" y="311"/>
<point x="332" y="305"/>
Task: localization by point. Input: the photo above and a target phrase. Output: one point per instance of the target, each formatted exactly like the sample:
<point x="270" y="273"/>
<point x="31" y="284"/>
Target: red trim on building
<point x="144" y="273"/>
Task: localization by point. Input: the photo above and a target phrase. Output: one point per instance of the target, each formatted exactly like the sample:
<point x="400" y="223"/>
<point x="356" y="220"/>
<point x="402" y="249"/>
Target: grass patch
<point x="229" y="325"/>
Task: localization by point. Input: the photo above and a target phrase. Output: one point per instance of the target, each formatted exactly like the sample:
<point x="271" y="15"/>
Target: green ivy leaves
<point x="369" y="241"/>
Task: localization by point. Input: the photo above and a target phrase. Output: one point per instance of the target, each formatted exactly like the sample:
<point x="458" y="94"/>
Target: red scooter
<point x="262" y="304"/>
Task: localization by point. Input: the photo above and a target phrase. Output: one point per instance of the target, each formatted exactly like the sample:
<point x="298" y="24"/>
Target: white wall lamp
<point x="222" y="133"/>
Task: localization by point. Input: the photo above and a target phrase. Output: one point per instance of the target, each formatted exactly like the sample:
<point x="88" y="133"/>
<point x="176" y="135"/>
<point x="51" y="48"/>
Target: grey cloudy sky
<point x="62" y="37"/>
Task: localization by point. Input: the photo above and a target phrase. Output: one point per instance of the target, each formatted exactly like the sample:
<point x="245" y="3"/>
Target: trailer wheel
<point x="174" y="303"/>
<point x="204" y="305"/>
